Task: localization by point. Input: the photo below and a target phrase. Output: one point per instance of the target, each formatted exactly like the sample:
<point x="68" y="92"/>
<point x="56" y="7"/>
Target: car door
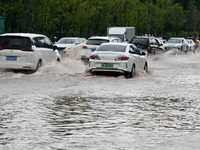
<point x="52" y="54"/>
<point x="45" y="49"/>
<point x="136" y="56"/>
<point x="156" y="48"/>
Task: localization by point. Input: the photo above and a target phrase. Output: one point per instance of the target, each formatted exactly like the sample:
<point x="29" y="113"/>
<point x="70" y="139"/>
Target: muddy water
<point x="63" y="107"/>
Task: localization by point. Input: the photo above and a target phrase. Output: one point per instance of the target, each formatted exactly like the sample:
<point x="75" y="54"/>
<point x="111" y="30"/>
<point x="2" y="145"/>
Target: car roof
<point x="31" y="35"/>
<point x="103" y="37"/>
<point x="123" y="44"/>
<point x="145" y="37"/>
<point x="70" y="38"/>
<point x="177" y="38"/>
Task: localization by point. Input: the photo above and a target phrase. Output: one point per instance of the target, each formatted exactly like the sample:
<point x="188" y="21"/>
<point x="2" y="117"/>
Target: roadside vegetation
<point x="85" y="18"/>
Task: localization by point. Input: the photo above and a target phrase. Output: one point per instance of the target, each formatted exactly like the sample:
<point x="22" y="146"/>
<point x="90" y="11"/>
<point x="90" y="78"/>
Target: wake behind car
<point x="24" y="51"/>
<point x="177" y="43"/>
<point x="93" y="43"/>
<point x="123" y="58"/>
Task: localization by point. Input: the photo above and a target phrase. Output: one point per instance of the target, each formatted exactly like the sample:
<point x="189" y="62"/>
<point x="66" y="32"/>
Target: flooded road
<point x="63" y="107"/>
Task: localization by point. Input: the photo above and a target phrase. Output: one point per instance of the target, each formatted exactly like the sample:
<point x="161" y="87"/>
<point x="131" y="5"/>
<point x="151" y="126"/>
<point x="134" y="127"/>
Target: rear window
<point x="140" y="41"/>
<point x="174" y="41"/>
<point x="66" y="41"/>
<point x="14" y="42"/>
<point x="112" y="48"/>
<point x="96" y="41"/>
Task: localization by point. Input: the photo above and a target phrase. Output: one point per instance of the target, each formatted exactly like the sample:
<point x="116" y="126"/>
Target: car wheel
<point x="58" y="60"/>
<point x="146" y="67"/>
<point x="39" y="64"/>
<point x="130" y="74"/>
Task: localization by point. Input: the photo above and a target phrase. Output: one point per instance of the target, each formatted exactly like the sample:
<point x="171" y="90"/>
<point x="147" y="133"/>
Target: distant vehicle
<point x="148" y="44"/>
<point x="124" y="33"/>
<point x="24" y="51"/>
<point x="177" y="43"/>
<point x="120" y="58"/>
<point x="93" y="43"/>
<point x="191" y="44"/>
<point x="66" y="42"/>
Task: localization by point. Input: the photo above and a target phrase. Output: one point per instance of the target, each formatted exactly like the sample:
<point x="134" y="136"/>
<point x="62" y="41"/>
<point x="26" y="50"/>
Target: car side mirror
<point x="55" y="47"/>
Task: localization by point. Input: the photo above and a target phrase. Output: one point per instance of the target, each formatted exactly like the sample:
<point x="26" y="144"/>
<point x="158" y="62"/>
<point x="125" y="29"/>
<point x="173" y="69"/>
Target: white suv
<point x="26" y="51"/>
<point x="93" y="43"/>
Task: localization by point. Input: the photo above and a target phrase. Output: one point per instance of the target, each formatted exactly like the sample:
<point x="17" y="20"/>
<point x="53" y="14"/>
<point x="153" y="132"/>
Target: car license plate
<point x="92" y="50"/>
<point x="139" y="48"/>
<point x="107" y="65"/>
<point x="11" y="58"/>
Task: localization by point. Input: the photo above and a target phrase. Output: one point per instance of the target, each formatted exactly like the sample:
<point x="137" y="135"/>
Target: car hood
<point x="173" y="44"/>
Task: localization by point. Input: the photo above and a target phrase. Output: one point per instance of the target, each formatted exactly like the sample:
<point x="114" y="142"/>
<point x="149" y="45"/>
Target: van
<point x="25" y="51"/>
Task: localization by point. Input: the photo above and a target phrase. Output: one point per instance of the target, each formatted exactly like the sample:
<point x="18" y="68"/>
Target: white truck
<point x="124" y="33"/>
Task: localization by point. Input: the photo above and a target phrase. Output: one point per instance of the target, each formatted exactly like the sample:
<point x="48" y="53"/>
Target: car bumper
<point x="18" y="66"/>
<point x="113" y="66"/>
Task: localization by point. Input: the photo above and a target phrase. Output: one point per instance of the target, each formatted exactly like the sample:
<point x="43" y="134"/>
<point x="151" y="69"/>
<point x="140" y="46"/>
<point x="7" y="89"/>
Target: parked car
<point x="177" y="43"/>
<point x="68" y="42"/>
<point x="93" y="43"/>
<point x="148" y="44"/>
<point x="191" y="44"/>
<point x="24" y="51"/>
<point x="123" y="58"/>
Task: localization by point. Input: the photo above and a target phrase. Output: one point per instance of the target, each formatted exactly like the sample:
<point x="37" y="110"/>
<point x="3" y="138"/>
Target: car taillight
<point x="84" y="47"/>
<point x="94" y="57"/>
<point x="27" y="49"/>
<point x="149" y="48"/>
<point x="122" y="58"/>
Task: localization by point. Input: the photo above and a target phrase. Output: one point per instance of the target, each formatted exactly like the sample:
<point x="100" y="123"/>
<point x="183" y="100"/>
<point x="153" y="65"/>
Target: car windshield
<point x="113" y="48"/>
<point x="66" y="41"/>
<point x="174" y="41"/>
<point x="139" y="41"/>
<point x="15" y="42"/>
<point x="117" y="35"/>
<point x="96" y="41"/>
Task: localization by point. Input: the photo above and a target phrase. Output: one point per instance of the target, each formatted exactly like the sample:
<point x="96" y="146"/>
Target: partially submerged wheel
<point x="130" y="74"/>
<point x="39" y="64"/>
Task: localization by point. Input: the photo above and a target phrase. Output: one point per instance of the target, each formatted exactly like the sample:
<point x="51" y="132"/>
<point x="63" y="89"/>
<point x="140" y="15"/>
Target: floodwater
<point x="63" y="107"/>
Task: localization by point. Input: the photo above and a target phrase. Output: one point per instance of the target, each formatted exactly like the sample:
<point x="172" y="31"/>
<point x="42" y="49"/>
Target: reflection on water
<point x="114" y="123"/>
<point x="99" y="123"/>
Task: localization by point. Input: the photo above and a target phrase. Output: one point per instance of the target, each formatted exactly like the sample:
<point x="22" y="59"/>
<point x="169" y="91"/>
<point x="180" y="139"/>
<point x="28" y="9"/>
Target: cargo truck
<point x="124" y="33"/>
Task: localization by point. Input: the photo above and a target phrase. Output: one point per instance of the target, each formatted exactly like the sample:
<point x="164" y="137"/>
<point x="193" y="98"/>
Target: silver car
<point x="66" y="42"/>
<point x="177" y="43"/>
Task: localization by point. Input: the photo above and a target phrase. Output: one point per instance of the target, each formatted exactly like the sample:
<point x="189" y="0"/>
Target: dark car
<point x="151" y="45"/>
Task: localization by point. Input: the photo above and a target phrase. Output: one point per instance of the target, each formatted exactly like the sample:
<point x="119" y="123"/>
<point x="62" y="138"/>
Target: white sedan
<point x="123" y="58"/>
